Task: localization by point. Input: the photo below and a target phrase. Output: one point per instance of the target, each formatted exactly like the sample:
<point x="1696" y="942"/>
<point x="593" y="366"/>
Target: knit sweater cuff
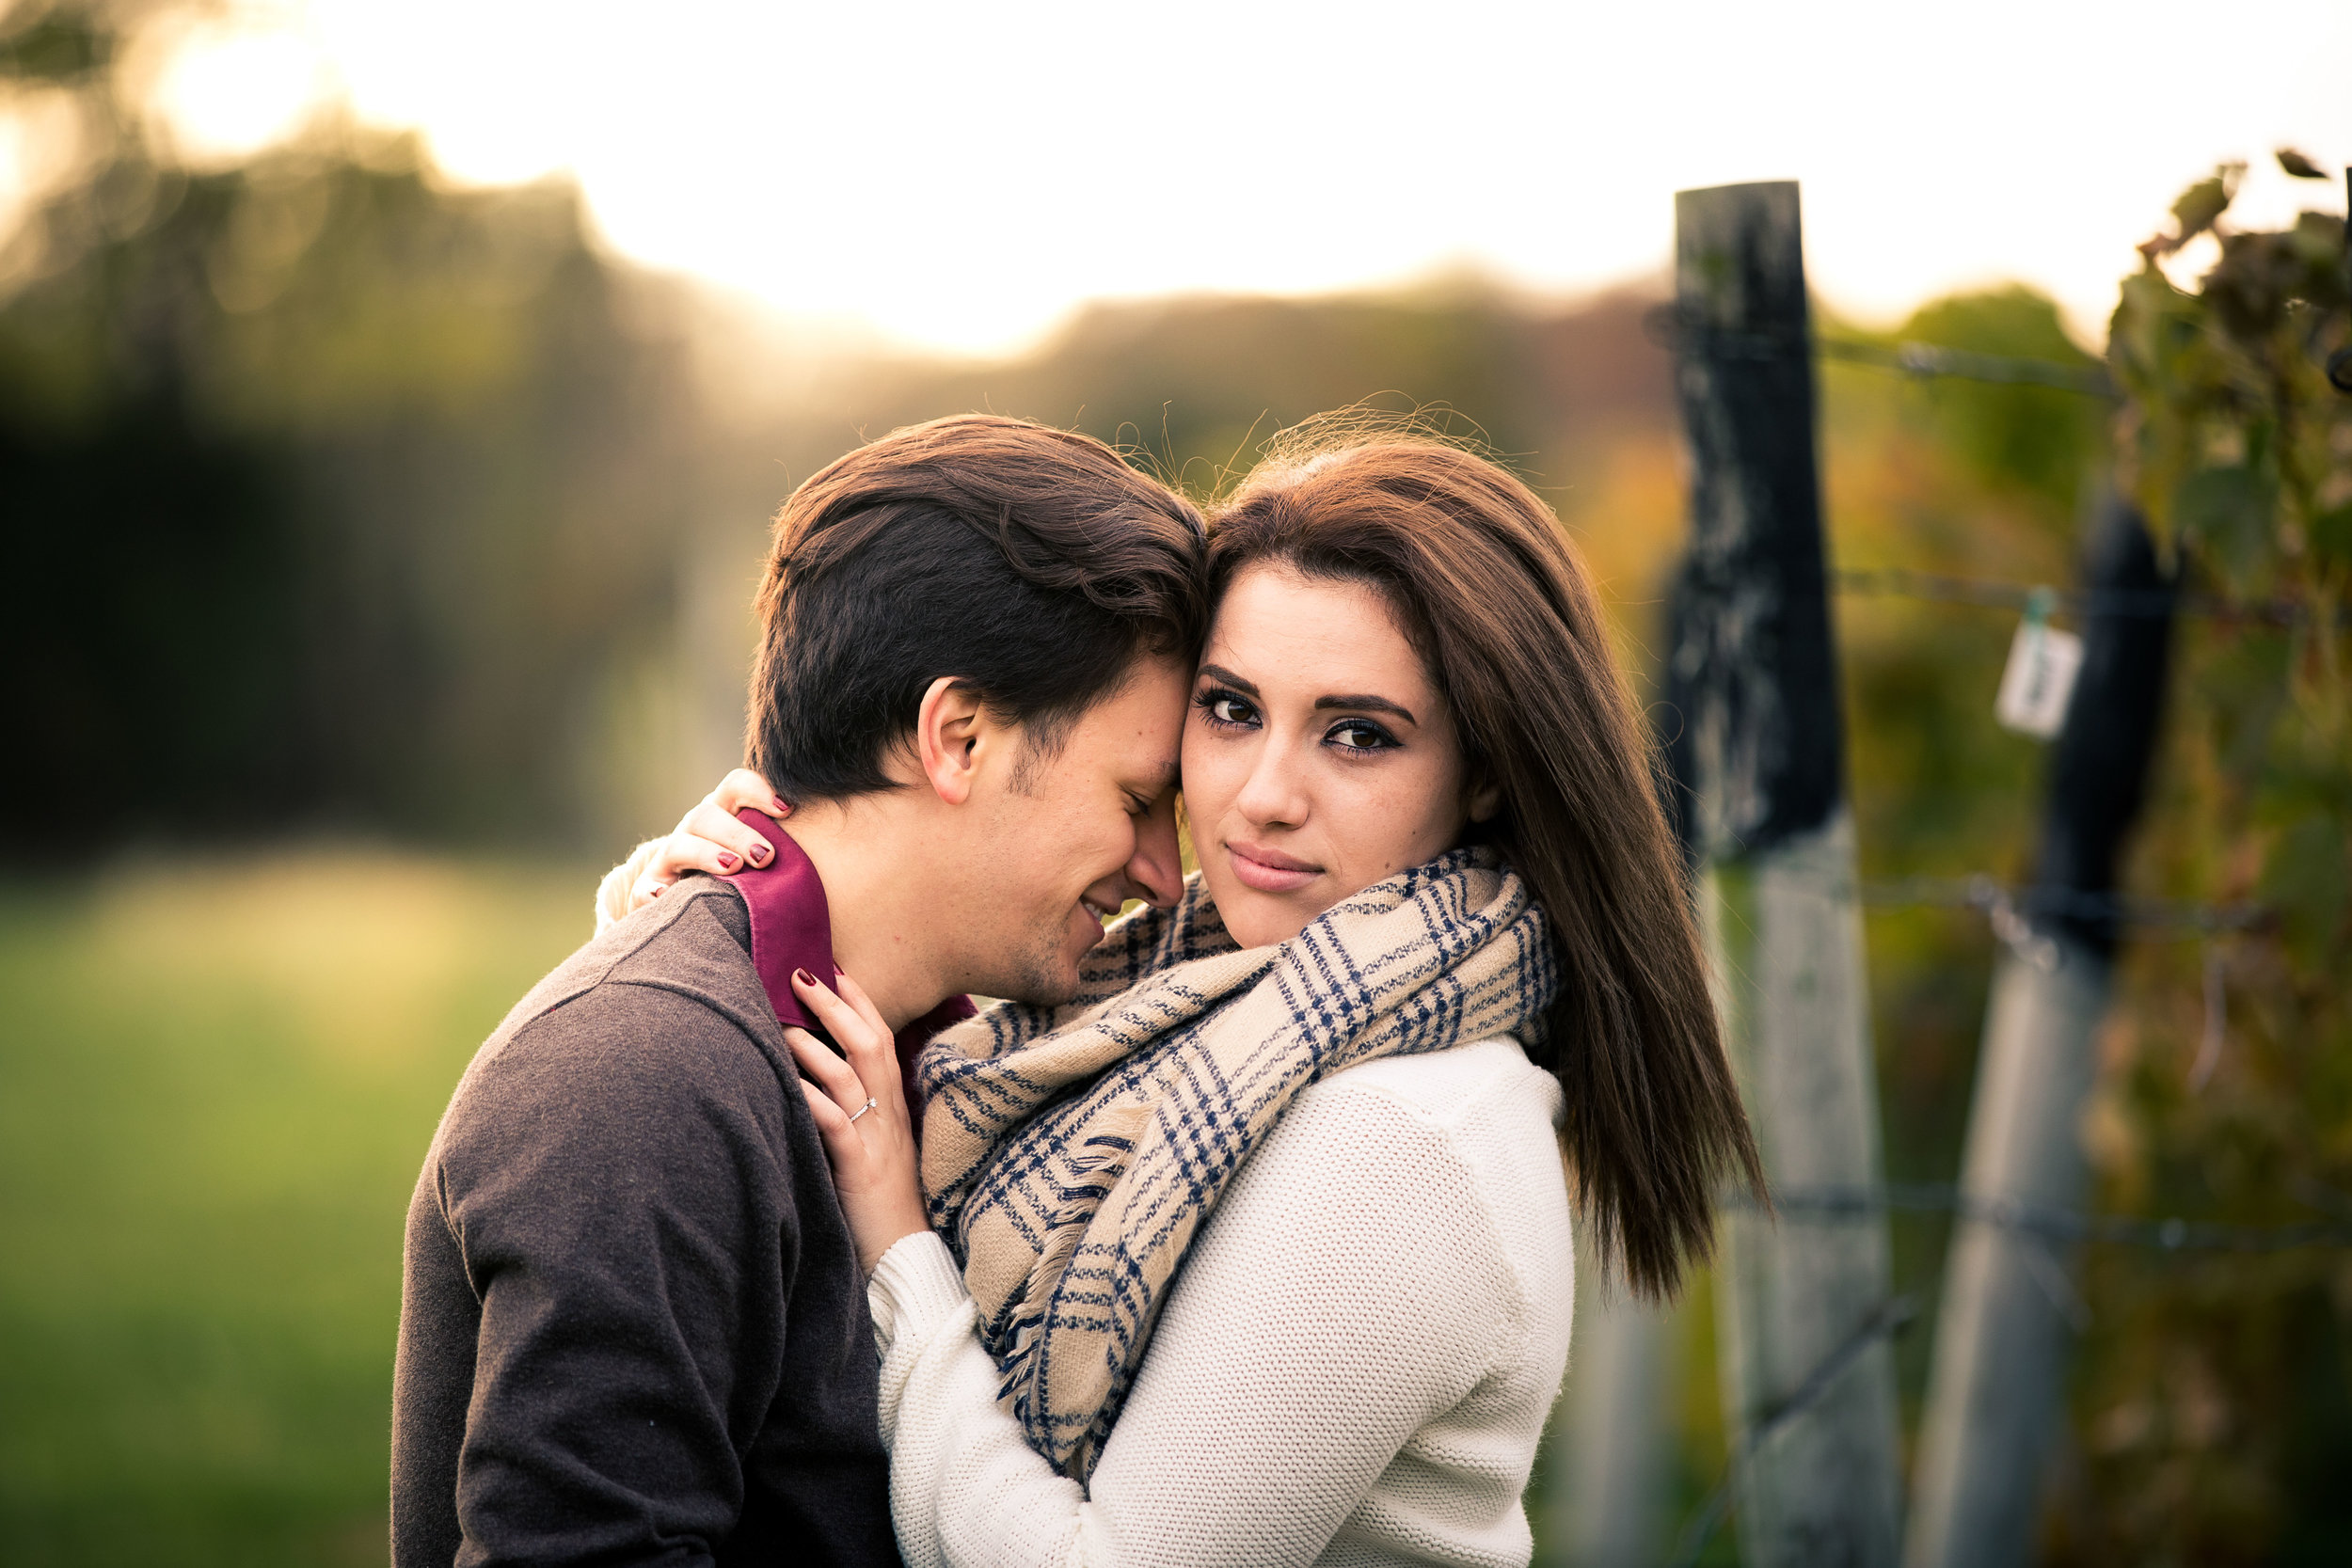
<point x="612" y="892"/>
<point x="916" y="1288"/>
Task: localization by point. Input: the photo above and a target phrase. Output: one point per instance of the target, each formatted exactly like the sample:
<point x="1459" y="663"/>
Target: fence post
<point x="2340" y="362"/>
<point x="2000" y="1341"/>
<point x="1759" y="757"/>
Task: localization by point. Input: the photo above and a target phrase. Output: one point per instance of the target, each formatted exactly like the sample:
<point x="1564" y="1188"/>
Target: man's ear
<point x="951" y="733"/>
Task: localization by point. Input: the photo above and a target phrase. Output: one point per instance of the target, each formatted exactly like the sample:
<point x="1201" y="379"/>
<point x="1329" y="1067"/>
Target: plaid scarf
<point x="1071" y="1153"/>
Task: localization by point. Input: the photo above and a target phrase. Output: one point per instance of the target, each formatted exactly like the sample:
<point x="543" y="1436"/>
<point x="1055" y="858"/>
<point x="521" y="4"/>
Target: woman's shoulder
<point x="1483" y="1108"/>
<point x="1488" y="1081"/>
<point x="1475" y="1125"/>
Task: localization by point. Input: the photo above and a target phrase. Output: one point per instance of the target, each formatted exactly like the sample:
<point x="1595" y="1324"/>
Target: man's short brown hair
<point x="1032" y="563"/>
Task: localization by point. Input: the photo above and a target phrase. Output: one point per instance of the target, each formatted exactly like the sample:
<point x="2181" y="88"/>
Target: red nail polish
<point x="727" y="861"/>
<point x="760" y="853"/>
<point x="804" y="977"/>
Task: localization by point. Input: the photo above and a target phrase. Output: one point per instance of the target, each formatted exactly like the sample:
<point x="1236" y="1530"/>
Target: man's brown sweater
<point x="633" y="1328"/>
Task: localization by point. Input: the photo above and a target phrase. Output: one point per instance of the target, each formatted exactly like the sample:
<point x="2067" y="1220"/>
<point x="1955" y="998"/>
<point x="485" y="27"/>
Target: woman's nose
<point x="1275" y="794"/>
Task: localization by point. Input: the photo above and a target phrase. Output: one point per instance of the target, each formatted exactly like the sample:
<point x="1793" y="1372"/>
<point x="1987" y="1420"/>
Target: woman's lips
<point x="1270" y="870"/>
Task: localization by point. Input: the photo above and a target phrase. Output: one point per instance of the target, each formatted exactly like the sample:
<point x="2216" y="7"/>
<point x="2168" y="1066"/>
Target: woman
<point x="1258" y="1251"/>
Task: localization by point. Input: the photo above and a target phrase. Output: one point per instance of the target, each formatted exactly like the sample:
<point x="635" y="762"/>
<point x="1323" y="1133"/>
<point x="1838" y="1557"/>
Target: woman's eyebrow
<point x="1362" y="702"/>
<point x="1366" y="702"/>
<point x="1223" y="676"/>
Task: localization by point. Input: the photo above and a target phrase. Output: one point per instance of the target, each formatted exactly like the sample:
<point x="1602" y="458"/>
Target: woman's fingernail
<point x="760" y="853"/>
<point x="727" y="862"/>
<point x="804" y="977"/>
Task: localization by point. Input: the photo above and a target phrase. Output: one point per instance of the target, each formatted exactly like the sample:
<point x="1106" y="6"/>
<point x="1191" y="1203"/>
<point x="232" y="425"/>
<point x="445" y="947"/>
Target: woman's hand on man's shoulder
<point x="709" y="838"/>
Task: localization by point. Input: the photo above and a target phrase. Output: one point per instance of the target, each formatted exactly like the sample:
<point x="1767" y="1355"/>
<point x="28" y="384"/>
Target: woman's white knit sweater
<point x="1353" y="1367"/>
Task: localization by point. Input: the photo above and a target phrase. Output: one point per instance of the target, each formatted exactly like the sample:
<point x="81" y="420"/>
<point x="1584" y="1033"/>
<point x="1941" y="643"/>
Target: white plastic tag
<point x="2039" y="680"/>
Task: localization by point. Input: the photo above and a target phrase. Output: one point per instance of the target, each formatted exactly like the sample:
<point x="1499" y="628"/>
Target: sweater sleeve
<point x="613" y="890"/>
<point x="1349" y="1289"/>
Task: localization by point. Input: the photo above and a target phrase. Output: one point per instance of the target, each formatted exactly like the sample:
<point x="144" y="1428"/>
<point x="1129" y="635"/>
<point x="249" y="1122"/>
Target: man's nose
<point x="1155" y="872"/>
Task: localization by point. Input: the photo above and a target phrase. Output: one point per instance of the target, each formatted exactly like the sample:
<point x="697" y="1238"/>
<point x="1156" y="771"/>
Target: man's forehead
<point x="1160" y="777"/>
<point x="1146" y="725"/>
<point x="1145" y="757"/>
<point x="1137" y="765"/>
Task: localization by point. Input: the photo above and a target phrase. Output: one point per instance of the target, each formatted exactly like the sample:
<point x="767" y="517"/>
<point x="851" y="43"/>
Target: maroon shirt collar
<point x="792" y="929"/>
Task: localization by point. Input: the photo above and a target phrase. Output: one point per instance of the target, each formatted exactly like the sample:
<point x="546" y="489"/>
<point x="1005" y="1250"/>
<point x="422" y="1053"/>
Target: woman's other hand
<point x="860" y="1112"/>
<point x="711" y="838"/>
<point x="708" y="838"/>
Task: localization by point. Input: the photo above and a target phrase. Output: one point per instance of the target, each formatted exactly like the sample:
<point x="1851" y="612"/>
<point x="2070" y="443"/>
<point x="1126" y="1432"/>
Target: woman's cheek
<point x="1363" y="835"/>
<point x="1411" y="816"/>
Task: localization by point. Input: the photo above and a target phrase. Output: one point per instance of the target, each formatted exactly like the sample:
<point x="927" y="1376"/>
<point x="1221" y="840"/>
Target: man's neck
<point x="874" y="893"/>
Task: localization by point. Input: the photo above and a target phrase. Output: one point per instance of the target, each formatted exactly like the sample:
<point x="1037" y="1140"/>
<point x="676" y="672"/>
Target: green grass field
<point x="217" y="1080"/>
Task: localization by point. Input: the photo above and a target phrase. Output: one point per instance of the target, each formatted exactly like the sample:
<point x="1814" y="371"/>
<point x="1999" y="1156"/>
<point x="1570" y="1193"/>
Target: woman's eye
<point x="1224" y="708"/>
<point x="1359" y="735"/>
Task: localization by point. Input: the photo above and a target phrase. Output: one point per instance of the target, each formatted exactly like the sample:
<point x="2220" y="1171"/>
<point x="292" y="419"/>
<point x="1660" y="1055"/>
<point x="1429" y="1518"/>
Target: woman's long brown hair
<point x="1500" y="607"/>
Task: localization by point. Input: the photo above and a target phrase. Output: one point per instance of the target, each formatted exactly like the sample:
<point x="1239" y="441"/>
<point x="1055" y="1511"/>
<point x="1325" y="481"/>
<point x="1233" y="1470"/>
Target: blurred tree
<point x="342" y="490"/>
<point x="2039" y="440"/>
<point x="444" y="474"/>
<point x="1193" y="386"/>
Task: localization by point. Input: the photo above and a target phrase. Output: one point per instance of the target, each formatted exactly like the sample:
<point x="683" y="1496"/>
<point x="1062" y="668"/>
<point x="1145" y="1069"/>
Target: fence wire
<point x="2041" y="1223"/>
<point x="1890" y="1317"/>
<point x="1927" y="360"/>
<point x="2050" y="1222"/>
<point x="1669" y="325"/>
<point x="2008" y="906"/>
<point x="2154" y="604"/>
<point x="1983" y="891"/>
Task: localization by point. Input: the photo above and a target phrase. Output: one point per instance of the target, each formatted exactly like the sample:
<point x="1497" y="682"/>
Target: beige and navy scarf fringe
<point x="1070" y="1154"/>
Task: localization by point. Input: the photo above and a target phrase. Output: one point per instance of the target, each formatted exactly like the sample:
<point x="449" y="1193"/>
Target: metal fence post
<point x="2000" y="1341"/>
<point x="1611" y="1454"/>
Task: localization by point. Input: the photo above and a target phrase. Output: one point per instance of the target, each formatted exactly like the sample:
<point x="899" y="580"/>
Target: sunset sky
<point x="961" y="176"/>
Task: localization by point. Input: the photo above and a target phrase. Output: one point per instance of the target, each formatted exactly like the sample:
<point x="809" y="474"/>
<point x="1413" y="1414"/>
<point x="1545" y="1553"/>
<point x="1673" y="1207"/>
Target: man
<point x="633" y="1329"/>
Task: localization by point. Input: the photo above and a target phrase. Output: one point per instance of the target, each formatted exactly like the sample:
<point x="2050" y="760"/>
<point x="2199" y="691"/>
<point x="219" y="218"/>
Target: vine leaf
<point x="2305" y="878"/>
<point x="2300" y="166"/>
<point x="2229" y="510"/>
<point x="2330" y="535"/>
<point x="2200" y="206"/>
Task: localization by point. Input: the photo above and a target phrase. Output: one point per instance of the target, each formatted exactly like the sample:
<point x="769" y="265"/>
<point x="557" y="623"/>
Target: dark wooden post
<point x="1759" y="762"/>
<point x="2000" y="1340"/>
<point x="2340" y="362"/>
<point x="1761" y="749"/>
